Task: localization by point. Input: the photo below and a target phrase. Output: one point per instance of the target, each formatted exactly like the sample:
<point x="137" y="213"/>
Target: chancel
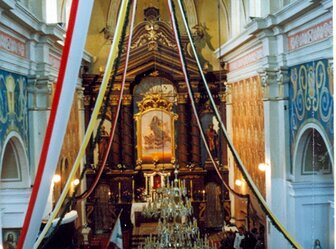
<point x="166" y="124"/>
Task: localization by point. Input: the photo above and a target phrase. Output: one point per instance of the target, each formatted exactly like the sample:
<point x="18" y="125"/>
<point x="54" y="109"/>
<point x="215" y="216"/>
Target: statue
<point x="212" y="139"/>
<point x="103" y="142"/>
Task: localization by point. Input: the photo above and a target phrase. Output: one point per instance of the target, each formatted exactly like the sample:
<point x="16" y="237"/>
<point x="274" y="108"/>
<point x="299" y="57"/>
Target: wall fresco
<point x="13" y="106"/>
<point x="248" y="126"/>
<point x="311" y="98"/>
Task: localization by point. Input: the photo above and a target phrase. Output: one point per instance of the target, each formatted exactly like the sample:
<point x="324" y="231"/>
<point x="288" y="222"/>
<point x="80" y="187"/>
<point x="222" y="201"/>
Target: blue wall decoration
<point x="13" y="107"/>
<point x="311" y="98"/>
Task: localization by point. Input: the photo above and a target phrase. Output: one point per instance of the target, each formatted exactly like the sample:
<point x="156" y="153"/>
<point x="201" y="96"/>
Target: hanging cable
<point x="190" y="93"/>
<point x="73" y="199"/>
<point x="93" y="120"/>
<point x="114" y="125"/>
<point x="240" y="164"/>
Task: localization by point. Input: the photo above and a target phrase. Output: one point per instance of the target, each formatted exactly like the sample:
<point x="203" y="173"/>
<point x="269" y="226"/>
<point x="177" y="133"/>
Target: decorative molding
<point x="12" y="44"/>
<point x="310" y="35"/>
<point x="246" y="60"/>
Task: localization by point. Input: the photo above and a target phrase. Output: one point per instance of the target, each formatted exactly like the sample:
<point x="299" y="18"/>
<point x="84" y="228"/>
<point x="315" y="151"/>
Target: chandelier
<point x="176" y="226"/>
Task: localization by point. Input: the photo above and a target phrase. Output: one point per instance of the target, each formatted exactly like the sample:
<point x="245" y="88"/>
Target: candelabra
<point x="176" y="227"/>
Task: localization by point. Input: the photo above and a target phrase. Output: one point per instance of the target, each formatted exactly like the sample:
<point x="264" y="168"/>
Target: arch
<point x="191" y="13"/>
<point x="226" y="11"/>
<point x="303" y="147"/>
<point x="14" y="164"/>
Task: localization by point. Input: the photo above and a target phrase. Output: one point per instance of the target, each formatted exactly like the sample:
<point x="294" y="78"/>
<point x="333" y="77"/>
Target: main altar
<point x="156" y="132"/>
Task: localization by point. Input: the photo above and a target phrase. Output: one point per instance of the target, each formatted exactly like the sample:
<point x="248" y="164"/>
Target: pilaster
<point x="40" y="91"/>
<point x="275" y="95"/>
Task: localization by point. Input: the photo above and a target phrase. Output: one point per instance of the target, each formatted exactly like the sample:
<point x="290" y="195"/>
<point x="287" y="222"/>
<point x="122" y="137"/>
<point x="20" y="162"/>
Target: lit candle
<point x="133" y="190"/>
<point x="203" y="194"/>
<point x="191" y="189"/>
<point x="119" y="190"/>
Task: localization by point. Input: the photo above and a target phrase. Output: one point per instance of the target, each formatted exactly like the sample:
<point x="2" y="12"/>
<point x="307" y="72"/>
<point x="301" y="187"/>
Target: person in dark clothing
<point x="249" y="242"/>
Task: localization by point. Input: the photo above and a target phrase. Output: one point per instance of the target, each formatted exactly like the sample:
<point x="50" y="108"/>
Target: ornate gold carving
<point x="155" y="101"/>
<point x="127" y="99"/>
<point x="152" y="37"/>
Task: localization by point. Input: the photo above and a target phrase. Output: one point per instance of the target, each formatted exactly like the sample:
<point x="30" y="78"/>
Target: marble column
<point x="127" y="131"/>
<point x="182" y="146"/>
<point x="195" y="136"/>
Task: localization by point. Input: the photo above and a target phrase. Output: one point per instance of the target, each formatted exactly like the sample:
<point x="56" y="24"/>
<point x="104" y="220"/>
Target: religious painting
<point x="155" y="132"/>
<point x="10" y="237"/>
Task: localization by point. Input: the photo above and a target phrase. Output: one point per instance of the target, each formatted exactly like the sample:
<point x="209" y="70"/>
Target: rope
<point x="240" y="164"/>
<point x="93" y="120"/>
<point x="190" y="93"/>
<point x="114" y="125"/>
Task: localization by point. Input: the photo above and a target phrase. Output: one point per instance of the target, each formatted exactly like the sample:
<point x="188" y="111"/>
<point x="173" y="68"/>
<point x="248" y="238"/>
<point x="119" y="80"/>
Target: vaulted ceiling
<point x="203" y="17"/>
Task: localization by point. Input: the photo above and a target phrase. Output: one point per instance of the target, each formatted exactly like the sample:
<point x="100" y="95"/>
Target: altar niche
<point x="155" y="180"/>
<point x="155" y="133"/>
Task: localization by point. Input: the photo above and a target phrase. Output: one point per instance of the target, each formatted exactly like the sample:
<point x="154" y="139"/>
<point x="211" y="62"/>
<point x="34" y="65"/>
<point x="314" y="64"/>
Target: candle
<point x="119" y="190"/>
<point x="133" y="190"/>
<point x="191" y="190"/>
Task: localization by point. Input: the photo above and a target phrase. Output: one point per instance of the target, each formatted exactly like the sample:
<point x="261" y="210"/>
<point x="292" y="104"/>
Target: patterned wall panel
<point x="13" y="106"/>
<point x="248" y="126"/>
<point x="311" y="98"/>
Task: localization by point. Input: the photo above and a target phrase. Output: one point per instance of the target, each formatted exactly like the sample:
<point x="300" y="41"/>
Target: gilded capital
<point x="127" y="99"/>
<point x="182" y="98"/>
<point x="114" y="100"/>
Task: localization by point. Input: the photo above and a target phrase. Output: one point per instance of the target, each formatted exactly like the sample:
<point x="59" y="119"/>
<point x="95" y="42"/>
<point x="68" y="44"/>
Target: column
<point x="223" y="142"/>
<point x="115" y="150"/>
<point x="182" y="146"/>
<point x="195" y="136"/>
<point x="127" y="132"/>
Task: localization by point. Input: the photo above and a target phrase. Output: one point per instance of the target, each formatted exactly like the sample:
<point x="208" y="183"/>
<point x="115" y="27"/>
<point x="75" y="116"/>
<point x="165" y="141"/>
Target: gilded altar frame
<point x="155" y="133"/>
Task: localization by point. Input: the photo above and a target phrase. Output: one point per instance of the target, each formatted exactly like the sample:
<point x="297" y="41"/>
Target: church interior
<point x="216" y="127"/>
